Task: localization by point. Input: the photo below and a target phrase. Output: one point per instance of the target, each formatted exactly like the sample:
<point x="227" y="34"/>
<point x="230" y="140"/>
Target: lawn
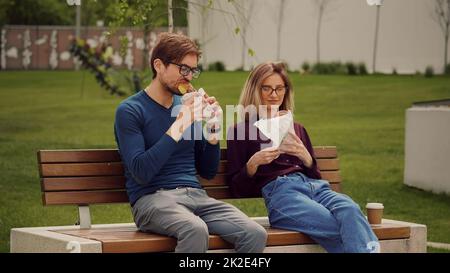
<point x="363" y="116"/>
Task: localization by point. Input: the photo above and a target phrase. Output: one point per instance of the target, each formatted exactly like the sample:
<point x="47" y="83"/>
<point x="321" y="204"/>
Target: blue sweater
<point x="152" y="159"/>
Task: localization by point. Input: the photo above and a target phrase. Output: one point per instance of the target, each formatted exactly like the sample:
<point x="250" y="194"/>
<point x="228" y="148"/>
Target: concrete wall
<point x="409" y="39"/>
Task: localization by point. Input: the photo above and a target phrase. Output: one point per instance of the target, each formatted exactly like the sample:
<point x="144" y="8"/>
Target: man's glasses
<point x="269" y="90"/>
<point x="185" y="70"/>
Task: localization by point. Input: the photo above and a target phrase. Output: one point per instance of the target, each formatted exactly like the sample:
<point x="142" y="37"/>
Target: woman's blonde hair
<point x="251" y="93"/>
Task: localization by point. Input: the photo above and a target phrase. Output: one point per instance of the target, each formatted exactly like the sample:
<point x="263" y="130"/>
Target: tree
<point x="442" y="17"/>
<point x="244" y="10"/>
<point x="279" y="25"/>
<point x="239" y="14"/>
<point x="32" y="12"/>
<point x="170" y="15"/>
<point x="323" y="6"/>
<point x="147" y="14"/>
<point x="205" y="16"/>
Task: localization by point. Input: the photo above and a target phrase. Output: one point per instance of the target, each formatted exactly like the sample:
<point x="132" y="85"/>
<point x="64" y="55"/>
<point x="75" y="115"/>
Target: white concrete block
<point x="427" y="149"/>
<point x="33" y="240"/>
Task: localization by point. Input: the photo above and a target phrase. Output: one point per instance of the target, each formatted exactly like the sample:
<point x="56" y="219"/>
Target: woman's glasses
<point x="269" y="90"/>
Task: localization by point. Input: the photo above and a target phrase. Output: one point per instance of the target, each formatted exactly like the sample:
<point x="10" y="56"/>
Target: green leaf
<point x="251" y="52"/>
<point x="237" y="30"/>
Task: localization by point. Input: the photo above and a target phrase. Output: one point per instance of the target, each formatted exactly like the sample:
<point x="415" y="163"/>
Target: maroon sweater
<point x="240" y="151"/>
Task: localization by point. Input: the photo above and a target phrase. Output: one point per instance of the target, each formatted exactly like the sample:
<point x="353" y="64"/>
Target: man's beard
<point x="174" y="91"/>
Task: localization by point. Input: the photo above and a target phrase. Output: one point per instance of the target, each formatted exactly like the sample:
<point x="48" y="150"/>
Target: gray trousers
<point x="190" y="215"/>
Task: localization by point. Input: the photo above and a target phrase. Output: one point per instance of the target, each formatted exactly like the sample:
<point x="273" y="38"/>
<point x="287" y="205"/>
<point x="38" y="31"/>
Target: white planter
<point x="427" y="148"/>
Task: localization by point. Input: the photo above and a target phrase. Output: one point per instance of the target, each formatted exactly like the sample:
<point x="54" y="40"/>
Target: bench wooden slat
<point x="325" y="151"/>
<point x="89" y="183"/>
<point x="337" y="187"/>
<point x="328" y="164"/>
<point x="120" y="196"/>
<point x="113" y="196"/>
<point x="117" y="168"/>
<point x="224" y="192"/>
<point x="128" y="239"/>
<point x="82" y="169"/>
<point x="112" y="155"/>
<point x="331" y="176"/>
<point x="84" y="197"/>
<point x="60" y="156"/>
<point x="83" y="183"/>
<point x="221" y="179"/>
<point x="219" y="192"/>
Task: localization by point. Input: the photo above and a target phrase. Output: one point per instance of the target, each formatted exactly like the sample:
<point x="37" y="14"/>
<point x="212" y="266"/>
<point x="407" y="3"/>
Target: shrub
<point x="328" y="68"/>
<point x="216" y="66"/>
<point x="362" y="70"/>
<point x="337" y="68"/>
<point x="306" y="67"/>
<point x="351" y="68"/>
<point x="319" y="68"/>
<point x="447" y="69"/>
<point x="429" y="72"/>
<point x="394" y="71"/>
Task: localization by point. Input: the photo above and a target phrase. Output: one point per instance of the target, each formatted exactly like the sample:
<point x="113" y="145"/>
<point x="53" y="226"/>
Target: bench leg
<point x="84" y="217"/>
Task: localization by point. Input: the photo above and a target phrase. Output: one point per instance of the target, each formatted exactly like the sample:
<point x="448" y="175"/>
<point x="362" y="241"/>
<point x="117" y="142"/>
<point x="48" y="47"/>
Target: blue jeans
<point x="297" y="202"/>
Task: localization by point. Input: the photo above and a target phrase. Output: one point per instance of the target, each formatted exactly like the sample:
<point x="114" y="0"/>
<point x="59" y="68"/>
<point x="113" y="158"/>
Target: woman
<point x="288" y="176"/>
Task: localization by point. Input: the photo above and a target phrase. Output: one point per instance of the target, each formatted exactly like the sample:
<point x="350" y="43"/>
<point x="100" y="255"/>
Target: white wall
<point x="409" y="39"/>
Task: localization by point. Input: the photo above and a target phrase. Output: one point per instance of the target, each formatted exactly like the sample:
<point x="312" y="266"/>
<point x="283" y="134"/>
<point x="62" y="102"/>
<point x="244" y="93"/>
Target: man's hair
<point x="172" y="47"/>
<point x="251" y="92"/>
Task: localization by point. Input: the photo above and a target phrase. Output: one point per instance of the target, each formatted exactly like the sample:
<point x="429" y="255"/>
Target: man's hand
<point x="292" y="145"/>
<point x="191" y="110"/>
<point x="213" y="120"/>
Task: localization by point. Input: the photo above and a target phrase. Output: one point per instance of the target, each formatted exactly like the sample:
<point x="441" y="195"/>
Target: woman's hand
<point x="293" y="145"/>
<point x="263" y="157"/>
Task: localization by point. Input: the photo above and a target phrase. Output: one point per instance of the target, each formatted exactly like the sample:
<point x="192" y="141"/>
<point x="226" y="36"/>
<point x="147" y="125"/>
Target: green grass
<point x="437" y="250"/>
<point x="363" y="116"/>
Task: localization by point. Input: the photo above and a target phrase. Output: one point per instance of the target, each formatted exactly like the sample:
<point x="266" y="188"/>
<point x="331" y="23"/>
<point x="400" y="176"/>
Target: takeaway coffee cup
<point x="374" y="213"/>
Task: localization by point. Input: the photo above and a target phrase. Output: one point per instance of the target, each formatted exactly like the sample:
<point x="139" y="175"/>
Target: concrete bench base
<point x="45" y="239"/>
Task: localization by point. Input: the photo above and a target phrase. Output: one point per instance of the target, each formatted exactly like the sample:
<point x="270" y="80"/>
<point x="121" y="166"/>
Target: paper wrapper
<point x="277" y="128"/>
<point x="208" y="110"/>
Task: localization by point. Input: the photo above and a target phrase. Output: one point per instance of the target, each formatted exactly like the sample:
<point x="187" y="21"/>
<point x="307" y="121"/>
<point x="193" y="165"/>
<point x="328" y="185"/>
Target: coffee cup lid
<point x="374" y="206"/>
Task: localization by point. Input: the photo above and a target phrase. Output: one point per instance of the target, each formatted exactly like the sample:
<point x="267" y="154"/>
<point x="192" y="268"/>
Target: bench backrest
<point x="83" y="177"/>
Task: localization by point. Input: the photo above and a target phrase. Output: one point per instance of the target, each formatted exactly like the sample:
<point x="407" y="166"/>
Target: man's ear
<point x="158" y="65"/>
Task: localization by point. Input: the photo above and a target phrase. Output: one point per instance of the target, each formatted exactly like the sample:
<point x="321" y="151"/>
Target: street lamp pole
<point x="375" y="43"/>
<point x="77" y="3"/>
<point x="78" y="20"/>
<point x="378" y="3"/>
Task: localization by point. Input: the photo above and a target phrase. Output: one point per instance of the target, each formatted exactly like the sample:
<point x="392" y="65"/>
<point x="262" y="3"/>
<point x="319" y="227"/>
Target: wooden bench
<point x="85" y="177"/>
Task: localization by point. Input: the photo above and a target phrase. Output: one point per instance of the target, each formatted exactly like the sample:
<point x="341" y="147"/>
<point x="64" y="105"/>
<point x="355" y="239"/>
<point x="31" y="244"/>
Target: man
<point x="162" y="159"/>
